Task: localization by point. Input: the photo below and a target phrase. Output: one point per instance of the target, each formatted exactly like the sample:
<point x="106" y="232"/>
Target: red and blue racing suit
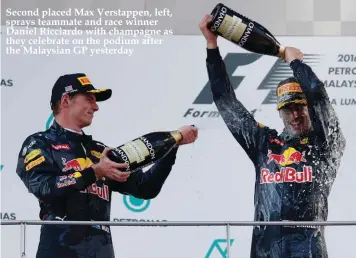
<point x="294" y="175"/>
<point x="55" y="166"/>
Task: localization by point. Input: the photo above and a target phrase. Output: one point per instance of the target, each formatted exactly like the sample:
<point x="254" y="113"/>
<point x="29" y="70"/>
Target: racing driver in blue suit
<point x="295" y="170"/>
<point x="72" y="177"/>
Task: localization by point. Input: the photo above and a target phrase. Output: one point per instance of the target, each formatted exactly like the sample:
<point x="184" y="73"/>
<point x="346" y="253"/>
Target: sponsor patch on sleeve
<point x="34" y="163"/>
<point x="32" y="155"/>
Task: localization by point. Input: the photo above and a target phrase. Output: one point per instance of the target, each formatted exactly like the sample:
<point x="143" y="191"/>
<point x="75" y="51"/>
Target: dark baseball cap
<point x="76" y="83"/>
<point x="289" y="91"/>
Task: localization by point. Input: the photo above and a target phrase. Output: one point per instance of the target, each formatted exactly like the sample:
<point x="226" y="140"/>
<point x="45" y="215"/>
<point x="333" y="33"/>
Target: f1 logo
<point x="279" y="70"/>
<point x="216" y="245"/>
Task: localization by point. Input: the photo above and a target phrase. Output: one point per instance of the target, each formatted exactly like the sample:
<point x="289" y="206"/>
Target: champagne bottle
<point x="145" y="150"/>
<point x="244" y="32"/>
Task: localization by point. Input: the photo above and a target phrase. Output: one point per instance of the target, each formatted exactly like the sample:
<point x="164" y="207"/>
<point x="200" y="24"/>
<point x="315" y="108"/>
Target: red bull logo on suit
<point x="101" y="192"/>
<point x="288" y="157"/>
<point x="77" y="164"/>
<point x="80" y="164"/>
<point x="287" y="174"/>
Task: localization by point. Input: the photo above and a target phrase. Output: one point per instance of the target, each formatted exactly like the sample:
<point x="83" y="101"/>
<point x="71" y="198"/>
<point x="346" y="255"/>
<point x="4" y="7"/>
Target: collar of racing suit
<point x="74" y="136"/>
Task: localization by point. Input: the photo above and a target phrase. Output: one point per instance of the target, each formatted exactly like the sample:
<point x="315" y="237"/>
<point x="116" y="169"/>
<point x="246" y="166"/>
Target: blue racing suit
<point x="294" y="175"/>
<point x="55" y="166"/>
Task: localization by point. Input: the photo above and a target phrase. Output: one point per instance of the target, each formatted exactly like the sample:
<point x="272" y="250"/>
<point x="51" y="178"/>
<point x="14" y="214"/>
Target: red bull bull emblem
<point x="76" y="164"/>
<point x="288" y="157"/>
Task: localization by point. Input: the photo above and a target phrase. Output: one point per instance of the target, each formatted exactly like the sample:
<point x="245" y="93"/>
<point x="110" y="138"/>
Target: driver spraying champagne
<point x="295" y="170"/>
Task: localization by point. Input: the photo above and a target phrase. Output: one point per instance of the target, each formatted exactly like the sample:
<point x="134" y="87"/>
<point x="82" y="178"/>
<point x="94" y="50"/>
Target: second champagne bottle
<point x="145" y="150"/>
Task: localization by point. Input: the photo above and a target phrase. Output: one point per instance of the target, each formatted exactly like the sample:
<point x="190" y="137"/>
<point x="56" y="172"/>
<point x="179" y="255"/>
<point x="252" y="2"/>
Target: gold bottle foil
<point x="177" y="136"/>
